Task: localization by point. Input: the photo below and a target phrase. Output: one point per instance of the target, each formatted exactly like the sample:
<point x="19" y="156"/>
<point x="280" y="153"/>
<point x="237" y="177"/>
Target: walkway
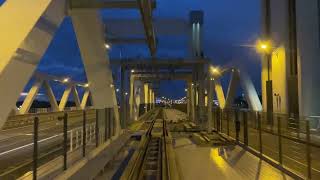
<point x="231" y="162"/>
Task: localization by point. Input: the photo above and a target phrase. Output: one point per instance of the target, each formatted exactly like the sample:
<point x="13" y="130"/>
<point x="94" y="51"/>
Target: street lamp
<point x="265" y="48"/>
<point x="215" y="70"/>
<point x="107" y="46"/>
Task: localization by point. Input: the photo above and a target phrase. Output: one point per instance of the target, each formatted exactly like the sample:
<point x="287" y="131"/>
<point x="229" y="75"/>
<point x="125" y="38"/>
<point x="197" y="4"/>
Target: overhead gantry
<point x="143" y="72"/>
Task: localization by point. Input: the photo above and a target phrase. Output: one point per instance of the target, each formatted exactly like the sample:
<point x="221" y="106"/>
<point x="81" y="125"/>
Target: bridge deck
<point x="229" y="162"/>
<point x="198" y="160"/>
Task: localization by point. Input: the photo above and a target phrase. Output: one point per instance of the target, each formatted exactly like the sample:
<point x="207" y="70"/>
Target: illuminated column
<point x="146" y="96"/>
<point x="250" y="93"/>
<point x="219" y="93"/>
<point x="138" y="100"/>
<point x="22" y="24"/>
<point x="153" y="100"/>
<point x="65" y="97"/>
<point x="89" y="30"/>
<point x="32" y="94"/>
<point x="132" y="97"/>
<point x="196" y="22"/>
<point x="150" y="98"/>
<point x="85" y="99"/>
<point x="232" y="88"/>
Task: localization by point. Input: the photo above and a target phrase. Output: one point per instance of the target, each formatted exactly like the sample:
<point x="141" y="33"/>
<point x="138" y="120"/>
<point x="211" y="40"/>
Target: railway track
<point x="150" y="161"/>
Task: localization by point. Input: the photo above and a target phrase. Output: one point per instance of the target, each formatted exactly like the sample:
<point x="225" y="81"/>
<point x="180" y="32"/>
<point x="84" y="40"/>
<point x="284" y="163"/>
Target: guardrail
<point x="22" y="120"/>
<point x="291" y="143"/>
<point x="72" y="135"/>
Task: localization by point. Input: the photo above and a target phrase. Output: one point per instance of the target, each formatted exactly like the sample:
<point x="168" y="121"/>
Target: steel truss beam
<point x="237" y="79"/>
<point x="43" y="81"/>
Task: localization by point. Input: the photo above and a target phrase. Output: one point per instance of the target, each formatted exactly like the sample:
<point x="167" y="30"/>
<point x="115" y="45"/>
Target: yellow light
<point x="264" y="46"/>
<point x="218" y="160"/>
<point x="86" y="85"/>
<point x="132" y="71"/>
<point x="65" y="80"/>
<point x="215" y="70"/>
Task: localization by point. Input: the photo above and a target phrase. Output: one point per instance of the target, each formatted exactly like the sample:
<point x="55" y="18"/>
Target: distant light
<point x="132" y="71"/>
<point x="192" y="84"/>
<point x="126" y="93"/>
<point x="185" y="90"/>
<point x="107" y="46"/>
<point x="86" y="85"/>
<point x="111" y="85"/>
<point x="117" y="90"/>
<point x="65" y="80"/>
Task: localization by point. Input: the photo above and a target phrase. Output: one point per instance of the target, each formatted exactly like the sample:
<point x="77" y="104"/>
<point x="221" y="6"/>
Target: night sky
<point x="228" y="26"/>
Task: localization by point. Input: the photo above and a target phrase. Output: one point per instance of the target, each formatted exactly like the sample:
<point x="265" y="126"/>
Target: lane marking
<point x="30" y="144"/>
<point x="42" y="140"/>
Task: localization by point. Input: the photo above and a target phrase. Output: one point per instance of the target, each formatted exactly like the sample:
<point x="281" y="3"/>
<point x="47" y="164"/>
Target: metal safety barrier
<point x="290" y="143"/>
<point x="72" y="135"/>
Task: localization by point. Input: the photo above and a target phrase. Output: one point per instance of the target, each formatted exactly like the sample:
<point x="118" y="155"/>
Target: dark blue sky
<point x="228" y="24"/>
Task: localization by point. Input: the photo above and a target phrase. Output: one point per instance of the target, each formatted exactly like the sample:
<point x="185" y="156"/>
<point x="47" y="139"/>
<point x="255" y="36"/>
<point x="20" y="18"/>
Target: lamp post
<point x="264" y="47"/>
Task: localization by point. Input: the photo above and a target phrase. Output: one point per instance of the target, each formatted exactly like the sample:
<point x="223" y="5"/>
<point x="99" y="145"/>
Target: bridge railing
<point x="52" y="142"/>
<point x="292" y="143"/>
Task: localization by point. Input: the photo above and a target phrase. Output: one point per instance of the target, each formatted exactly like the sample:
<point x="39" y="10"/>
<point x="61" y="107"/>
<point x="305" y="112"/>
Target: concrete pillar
<point x="210" y="101"/>
<point x="232" y="88"/>
<point x="75" y="96"/>
<point x="146" y="96"/>
<point x="250" y="92"/>
<point x="193" y="102"/>
<point x="154" y="100"/>
<point x="52" y="99"/>
<point x="65" y="97"/>
<point x="132" y="97"/>
<point x="219" y="93"/>
<point x="201" y="94"/>
<point x="32" y="94"/>
<point x="22" y="24"/>
<point x="150" y="98"/>
<point x="123" y="96"/>
<point x="308" y="40"/>
<point x="85" y="99"/>
<point x="90" y="35"/>
<point x="189" y="99"/>
<point x="138" y="94"/>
